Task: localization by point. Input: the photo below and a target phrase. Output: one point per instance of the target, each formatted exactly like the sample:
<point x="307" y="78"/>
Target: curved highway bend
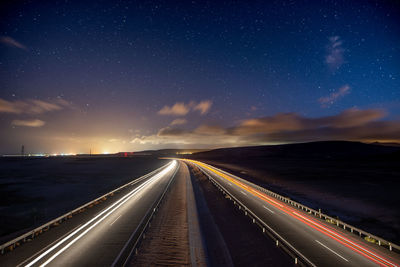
<point x="97" y="239"/>
<point x="321" y="243"/>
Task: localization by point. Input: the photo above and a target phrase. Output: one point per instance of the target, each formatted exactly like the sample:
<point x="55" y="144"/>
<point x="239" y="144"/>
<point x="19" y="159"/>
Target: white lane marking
<point x="87" y="230"/>
<point x="243" y="193"/>
<point x="123" y="200"/>
<point x="269" y="199"/>
<point x="268" y="209"/>
<point x="272" y="230"/>
<point x="34" y="255"/>
<point x="345" y="239"/>
<point x="337" y="254"/>
<point x="115" y="220"/>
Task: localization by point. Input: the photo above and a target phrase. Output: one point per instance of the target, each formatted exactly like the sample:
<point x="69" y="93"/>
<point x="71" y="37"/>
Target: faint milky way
<point x="132" y="75"/>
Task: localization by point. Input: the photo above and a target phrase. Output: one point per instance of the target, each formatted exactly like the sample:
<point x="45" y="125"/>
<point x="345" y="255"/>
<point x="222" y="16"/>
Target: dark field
<point x="36" y="190"/>
<point x="359" y="183"/>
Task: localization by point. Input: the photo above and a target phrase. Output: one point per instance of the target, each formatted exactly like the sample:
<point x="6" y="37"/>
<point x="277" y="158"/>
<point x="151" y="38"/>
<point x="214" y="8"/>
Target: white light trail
<point x="117" y="204"/>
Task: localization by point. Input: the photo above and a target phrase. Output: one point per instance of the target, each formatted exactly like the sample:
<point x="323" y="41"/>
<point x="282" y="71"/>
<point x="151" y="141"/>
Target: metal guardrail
<point x="379" y="241"/>
<point x="299" y="258"/>
<point x="31" y="234"/>
<point x="319" y="214"/>
<point x="131" y="248"/>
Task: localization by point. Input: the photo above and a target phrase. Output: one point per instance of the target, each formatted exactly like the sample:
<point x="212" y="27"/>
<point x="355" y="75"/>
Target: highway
<point x="320" y="243"/>
<point x="100" y="236"/>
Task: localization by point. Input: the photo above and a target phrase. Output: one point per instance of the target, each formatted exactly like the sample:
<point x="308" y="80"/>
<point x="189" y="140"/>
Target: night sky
<point x="133" y="75"/>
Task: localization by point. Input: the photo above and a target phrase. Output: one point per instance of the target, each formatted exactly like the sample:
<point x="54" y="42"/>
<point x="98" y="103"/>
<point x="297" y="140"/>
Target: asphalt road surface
<point x="98" y="236"/>
<point x="321" y="243"/>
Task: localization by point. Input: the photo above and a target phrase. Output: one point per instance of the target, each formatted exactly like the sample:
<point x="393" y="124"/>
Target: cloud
<point x="178" y="122"/>
<point x="210" y="130"/>
<point x="203" y="106"/>
<point x="28" y="123"/>
<point x="349" y="118"/>
<point x="168" y="131"/>
<point x="181" y="109"/>
<point x="178" y="108"/>
<point x="278" y="122"/>
<point x="31" y="106"/>
<point x="326" y="101"/>
<point x="334" y="58"/>
<point x="352" y="124"/>
<point x="12" y="42"/>
<point x="292" y="122"/>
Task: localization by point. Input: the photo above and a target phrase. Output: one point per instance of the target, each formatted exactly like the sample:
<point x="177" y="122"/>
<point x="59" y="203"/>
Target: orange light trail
<point x="312" y="223"/>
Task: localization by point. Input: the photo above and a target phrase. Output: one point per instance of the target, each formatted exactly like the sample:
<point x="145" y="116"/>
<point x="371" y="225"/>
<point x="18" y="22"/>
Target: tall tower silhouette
<point x="22" y="150"/>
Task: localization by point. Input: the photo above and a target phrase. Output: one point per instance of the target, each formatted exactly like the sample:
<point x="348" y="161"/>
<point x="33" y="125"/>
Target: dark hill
<point x="326" y="149"/>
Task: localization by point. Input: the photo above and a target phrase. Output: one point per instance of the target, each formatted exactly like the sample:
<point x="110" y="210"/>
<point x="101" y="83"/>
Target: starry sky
<point x="132" y="75"/>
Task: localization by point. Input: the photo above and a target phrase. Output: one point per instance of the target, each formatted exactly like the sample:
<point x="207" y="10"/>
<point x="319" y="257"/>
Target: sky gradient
<point x="132" y="75"/>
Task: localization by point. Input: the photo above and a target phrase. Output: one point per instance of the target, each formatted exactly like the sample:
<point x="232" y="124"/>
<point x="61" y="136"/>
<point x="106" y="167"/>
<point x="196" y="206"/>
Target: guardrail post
<point x="317" y="213"/>
<point x="295" y="260"/>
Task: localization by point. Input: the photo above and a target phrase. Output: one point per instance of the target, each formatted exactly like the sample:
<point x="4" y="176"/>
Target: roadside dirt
<point x="167" y="241"/>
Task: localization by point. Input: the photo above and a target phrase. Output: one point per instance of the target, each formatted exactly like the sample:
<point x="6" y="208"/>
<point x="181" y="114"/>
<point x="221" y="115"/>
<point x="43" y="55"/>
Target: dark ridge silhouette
<point x="168" y="152"/>
<point x="324" y="149"/>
